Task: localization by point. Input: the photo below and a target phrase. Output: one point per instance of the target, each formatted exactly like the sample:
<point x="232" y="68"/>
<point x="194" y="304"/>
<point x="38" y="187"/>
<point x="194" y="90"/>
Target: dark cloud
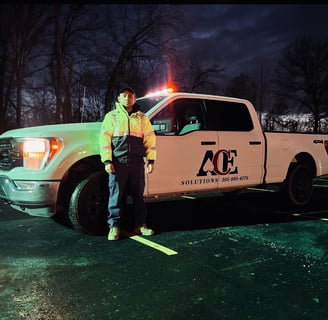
<point x="242" y="36"/>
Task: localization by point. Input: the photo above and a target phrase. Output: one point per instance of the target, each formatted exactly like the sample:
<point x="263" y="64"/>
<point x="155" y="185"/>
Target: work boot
<point x="114" y="233"/>
<point x="144" y="230"/>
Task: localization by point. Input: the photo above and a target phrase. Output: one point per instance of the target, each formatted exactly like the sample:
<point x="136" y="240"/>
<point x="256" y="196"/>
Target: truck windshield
<point x="146" y="103"/>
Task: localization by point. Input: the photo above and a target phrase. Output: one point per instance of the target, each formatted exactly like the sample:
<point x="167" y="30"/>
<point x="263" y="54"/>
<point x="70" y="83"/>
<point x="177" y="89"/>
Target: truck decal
<point x="227" y="164"/>
<point x="189" y="182"/>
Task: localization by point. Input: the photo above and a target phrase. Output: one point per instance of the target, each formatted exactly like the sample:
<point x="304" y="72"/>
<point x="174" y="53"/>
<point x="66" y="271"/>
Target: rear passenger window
<point x="227" y="116"/>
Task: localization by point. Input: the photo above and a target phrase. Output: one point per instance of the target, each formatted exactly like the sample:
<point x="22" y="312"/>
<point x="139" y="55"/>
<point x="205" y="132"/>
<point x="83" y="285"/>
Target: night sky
<point x="241" y="36"/>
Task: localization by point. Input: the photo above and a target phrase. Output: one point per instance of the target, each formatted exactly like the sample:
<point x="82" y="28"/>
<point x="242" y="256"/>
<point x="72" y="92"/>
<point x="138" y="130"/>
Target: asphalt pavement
<point x="212" y="258"/>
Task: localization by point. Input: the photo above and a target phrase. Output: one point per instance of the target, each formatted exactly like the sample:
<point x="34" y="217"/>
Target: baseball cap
<point x="127" y="89"/>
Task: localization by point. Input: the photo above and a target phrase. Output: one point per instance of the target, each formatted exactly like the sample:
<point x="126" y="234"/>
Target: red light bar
<point x="159" y="93"/>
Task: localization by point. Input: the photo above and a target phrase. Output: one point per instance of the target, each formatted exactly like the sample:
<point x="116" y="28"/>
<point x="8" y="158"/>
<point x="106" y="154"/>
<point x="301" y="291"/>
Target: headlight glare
<point x="37" y="152"/>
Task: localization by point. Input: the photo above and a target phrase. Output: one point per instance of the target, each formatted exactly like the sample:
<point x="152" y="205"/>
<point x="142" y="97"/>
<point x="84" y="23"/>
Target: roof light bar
<point x="159" y="93"/>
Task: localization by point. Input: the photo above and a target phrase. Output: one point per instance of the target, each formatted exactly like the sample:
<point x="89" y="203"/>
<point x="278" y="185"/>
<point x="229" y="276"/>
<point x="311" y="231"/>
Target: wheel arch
<point x="299" y="190"/>
<point x="305" y="159"/>
<point x="75" y="174"/>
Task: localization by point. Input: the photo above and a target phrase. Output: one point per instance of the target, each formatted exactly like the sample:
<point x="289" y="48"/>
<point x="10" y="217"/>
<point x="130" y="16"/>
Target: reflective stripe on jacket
<point x="127" y="138"/>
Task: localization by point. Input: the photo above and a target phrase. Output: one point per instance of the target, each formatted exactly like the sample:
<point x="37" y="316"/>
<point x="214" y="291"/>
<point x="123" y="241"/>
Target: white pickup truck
<point x="205" y="144"/>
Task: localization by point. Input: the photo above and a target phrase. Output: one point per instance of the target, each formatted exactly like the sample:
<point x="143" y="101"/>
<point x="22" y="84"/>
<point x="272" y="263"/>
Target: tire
<point x="88" y="205"/>
<point x="299" y="185"/>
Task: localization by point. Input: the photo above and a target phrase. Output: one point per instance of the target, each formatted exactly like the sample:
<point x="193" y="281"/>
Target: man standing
<point x="126" y="139"/>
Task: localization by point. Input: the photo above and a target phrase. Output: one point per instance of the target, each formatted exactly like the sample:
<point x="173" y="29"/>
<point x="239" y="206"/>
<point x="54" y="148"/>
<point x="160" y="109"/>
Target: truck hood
<point x="52" y="130"/>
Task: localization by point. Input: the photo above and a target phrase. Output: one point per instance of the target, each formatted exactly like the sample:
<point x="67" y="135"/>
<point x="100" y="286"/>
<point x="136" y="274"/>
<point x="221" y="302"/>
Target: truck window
<point x="227" y="116"/>
<point x="180" y="117"/>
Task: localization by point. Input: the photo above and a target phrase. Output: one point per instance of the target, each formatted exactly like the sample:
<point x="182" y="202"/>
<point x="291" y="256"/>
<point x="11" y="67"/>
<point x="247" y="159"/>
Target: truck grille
<point x="10" y="156"/>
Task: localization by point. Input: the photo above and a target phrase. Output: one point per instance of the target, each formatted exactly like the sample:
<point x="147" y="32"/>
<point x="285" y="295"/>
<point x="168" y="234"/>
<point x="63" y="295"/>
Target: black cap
<point x="127" y="89"/>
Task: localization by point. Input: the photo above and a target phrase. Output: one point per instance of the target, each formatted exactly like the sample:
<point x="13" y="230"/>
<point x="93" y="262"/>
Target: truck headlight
<point x="37" y="152"/>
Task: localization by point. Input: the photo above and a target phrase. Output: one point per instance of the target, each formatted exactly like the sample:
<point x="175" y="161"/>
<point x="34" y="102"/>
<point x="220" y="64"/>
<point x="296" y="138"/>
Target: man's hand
<point x="110" y="168"/>
<point x="150" y="168"/>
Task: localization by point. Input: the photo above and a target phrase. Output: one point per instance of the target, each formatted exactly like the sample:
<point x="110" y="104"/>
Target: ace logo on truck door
<point x="223" y="162"/>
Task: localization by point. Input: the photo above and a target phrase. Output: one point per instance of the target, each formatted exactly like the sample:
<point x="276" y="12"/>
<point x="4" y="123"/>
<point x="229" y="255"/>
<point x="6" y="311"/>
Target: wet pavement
<point x="253" y="258"/>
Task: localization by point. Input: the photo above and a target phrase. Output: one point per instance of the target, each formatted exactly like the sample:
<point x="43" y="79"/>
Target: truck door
<point x="182" y="144"/>
<point x="239" y="158"/>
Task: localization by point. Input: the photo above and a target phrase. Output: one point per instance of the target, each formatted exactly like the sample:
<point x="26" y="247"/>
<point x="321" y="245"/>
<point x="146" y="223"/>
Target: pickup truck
<point x="205" y="144"/>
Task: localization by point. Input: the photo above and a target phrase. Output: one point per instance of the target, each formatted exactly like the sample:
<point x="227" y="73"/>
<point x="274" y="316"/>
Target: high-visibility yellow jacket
<point x="127" y="138"/>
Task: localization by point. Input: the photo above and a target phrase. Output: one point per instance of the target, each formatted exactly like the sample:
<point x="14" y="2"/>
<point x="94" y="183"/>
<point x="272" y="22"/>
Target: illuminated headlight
<point x="37" y="152"/>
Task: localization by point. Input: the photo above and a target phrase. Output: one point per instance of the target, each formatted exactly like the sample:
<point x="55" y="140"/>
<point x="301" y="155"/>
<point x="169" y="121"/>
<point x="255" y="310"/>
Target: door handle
<point x="254" y="142"/>
<point x="207" y="143"/>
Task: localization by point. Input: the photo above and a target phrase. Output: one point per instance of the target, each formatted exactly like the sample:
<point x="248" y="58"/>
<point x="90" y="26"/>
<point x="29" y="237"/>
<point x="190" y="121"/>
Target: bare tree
<point x="194" y="72"/>
<point x="241" y="86"/>
<point x="273" y="121"/>
<point x="91" y="102"/>
<point x="72" y="25"/>
<point x="302" y="77"/>
<point x="135" y="35"/>
<point x="262" y="80"/>
<point x="5" y="85"/>
<point x="91" y="49"/>
<point x="24" y="26"/>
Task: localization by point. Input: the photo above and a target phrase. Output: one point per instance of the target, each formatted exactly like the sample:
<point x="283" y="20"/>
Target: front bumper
<point x="30" y="196"/>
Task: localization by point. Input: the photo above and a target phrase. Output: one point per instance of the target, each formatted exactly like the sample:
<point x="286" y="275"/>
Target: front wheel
<point x="88" y="204"/>
<point x="299" y="185"/>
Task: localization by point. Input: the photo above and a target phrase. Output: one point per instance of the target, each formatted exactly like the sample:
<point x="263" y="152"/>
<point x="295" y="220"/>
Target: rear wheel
<point x="299" y="185"/>
<point x="88" y="204"/>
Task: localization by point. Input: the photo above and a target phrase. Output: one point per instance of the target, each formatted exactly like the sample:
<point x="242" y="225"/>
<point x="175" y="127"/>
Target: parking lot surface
<point x="212" y="258"/>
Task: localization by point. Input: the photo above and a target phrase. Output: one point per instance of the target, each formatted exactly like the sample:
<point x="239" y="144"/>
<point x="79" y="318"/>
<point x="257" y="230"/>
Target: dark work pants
<point x="128" y="179"/>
